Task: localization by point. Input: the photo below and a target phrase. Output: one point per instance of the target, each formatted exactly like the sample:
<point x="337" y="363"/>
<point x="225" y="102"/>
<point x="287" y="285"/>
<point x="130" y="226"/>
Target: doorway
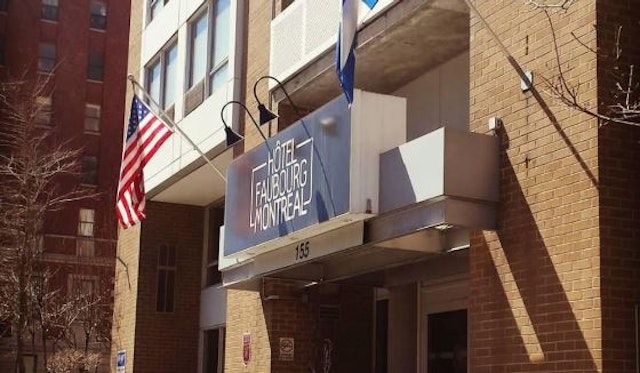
<point x="443" y="325"/>
<point x="447" y="342"/>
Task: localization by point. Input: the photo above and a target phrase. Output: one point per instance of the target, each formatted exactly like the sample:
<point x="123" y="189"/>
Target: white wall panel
<point x="438" y="98"/>
<point x="203" y="124"/>
<point x="306" y="29"/>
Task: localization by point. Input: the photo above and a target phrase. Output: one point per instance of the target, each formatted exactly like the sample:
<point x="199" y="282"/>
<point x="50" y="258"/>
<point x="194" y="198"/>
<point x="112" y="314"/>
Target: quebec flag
<point x="346" y="45"/>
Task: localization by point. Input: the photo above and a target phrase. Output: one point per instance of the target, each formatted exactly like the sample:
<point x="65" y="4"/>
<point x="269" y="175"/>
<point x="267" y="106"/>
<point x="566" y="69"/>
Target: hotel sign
<point x="282" y="185"/>
<point x="298" y="178"/>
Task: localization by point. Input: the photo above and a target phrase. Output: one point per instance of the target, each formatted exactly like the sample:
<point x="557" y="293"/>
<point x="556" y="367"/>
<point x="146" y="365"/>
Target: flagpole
<point x="174" y="125"/>
<point x="503" y="48"/>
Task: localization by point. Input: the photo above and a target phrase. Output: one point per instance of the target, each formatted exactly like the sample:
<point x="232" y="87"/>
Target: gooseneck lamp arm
<point x="266" y="114"/>
<point x="228" y="129"/>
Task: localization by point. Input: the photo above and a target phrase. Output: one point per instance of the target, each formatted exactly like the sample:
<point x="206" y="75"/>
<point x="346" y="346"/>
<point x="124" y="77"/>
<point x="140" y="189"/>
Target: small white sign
<point x="287" y="348"/>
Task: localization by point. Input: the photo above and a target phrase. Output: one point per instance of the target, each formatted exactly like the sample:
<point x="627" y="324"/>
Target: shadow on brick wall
<point x="521" y="317"/>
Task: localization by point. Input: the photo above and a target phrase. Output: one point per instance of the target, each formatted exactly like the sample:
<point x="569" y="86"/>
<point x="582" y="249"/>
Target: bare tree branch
<point x="37" y="178"/>
<point x="557" y="4"/>
<point x="624" y="107"/>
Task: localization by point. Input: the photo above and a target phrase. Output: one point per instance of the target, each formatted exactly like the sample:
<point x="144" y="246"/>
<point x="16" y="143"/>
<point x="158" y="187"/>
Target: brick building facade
<point x="80" y="49"/>
<point x="524" y="259"/>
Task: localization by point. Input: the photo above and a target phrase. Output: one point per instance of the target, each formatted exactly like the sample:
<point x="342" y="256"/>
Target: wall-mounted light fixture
<point x="233" y="137"/>
<point x="267" y="115"/>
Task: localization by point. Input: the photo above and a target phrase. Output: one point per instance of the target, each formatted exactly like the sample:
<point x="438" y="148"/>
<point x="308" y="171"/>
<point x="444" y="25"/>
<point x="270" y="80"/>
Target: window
<point x="216" y="219"/>
<point x="85" y="244"/>
<point x="43" y="110"/>
<point x="92" y="118"/>
<point x="4" y="5"/>
<point x="82" y="285"/>
<point x="49" y="10"/>
<point x="154" y="83"/>
<point x="170" y="76"/>
<point x="96" y="66"/>
<point x="5" y="328"/>
<point x="166" y="278"/>
<point x="218" y="65"/>
<point x="198" y="47"/>
<point x="2" y="55"/>
<point x="47" y="54"/>
<point x="162" y="75"/>
<point x="90" y="170"/>
<point x="154" y="8"/>
<point x="213" y="351"/>
<point x="86" y="220"/>
<point x="209" y="47"/>
<point x="98" y="14"/>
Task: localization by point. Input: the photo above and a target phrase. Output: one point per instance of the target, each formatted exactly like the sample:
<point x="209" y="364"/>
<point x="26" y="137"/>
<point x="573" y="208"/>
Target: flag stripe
<point x="145" y="134"/>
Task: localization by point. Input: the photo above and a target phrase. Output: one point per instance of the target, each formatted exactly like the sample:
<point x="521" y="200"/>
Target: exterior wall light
<point x="267" y="115"/>
<point x="233" y="137"/>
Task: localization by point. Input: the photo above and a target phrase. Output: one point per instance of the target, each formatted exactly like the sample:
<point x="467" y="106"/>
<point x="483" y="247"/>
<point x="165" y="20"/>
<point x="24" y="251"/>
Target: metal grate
<point x="329" y="312"/>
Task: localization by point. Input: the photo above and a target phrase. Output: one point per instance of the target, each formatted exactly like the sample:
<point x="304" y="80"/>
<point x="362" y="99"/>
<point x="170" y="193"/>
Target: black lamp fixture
<point x="267" y="115"/>
<point x="233" y="137"/>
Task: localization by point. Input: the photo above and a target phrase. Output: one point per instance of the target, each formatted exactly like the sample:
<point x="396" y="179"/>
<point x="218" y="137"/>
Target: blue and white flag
<point x="346" y="45"/>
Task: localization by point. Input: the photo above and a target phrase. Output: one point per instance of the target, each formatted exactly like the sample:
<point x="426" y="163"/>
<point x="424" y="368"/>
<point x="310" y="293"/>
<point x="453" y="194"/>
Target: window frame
<point x="42" y="59"/>
<point x="3" y="53"/>
<point x="102" y="25"/>
<point x="92" y="68"/>
<point x="151" y="12"/>
<point x="166" y="297"/>
<point x="208" y="11"/>
<point x="221" y="341"/>
<point x="202" y="14"/>
<point x="97" y="108"/>
<point x="45" y="111"/>
<point x="85" y="244"/>
<point x="94" y="172"/>
<point x="74" y="278"/>
<point x="161" y="59"/>
<point x="213" y="276"/>
<point x="48" y="10"/>
<point x="212" y="69"/>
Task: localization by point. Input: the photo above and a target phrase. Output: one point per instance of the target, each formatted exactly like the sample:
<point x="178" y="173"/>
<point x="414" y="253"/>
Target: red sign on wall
<point x="246" y="348"/>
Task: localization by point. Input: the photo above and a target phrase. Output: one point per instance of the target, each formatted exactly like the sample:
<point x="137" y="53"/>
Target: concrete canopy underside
<point x="404" y="42"/>
<point x="198" y="184"/>
<point x="391" y="240"/>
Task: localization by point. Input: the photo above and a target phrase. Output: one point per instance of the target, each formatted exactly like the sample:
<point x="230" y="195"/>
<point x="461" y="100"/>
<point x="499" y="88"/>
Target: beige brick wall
<point x="126" y="278"/>
<point x="244" y="308"/>
<point x="125" y="295"/>
<point x="535" y="282"/>
<point x="246" y="315"/>
<point x="258" y="16"/>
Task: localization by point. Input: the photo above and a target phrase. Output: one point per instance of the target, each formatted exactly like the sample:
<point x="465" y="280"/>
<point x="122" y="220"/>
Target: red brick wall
<point x="535" y="289"/>
<point x="23" y="31"/>
<point x="619" y="156"/>
<point x="168" y="342"/>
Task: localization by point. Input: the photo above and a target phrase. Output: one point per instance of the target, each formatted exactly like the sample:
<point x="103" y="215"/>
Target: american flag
<point x="145" y="135"/>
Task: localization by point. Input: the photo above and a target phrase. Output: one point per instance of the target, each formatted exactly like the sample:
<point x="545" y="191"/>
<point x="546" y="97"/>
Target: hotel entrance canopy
<point x="341" y="193"/>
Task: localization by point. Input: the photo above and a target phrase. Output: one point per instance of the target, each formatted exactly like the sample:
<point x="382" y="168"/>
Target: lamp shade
<point x="266" y="115"/>
<point x="231" y="136"/>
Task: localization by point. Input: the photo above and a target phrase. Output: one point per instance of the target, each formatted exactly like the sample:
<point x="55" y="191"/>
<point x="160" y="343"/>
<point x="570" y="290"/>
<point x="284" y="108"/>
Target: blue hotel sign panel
<point x="298" y="178"/>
